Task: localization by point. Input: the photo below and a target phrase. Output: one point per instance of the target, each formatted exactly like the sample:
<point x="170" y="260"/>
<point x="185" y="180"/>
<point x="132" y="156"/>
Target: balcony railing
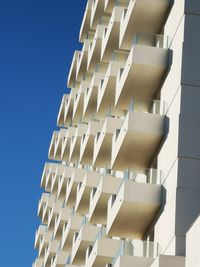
<point x="137" y="248"/>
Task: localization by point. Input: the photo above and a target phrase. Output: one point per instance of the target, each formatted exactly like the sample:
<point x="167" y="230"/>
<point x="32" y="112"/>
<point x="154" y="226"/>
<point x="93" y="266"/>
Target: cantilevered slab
<point x="103" y="142"/>
<point x="60" y="118"/>
<point x="76" y="142"/>
<point x="108" y="185"/>
<point x="94" y="53"/>
<point x="76" y="178"/>
<point x="135" y="144"/>
<point x="81" y="241"/>
<point x="103" y="252"/>
<point x="110" y="41"/>
<point x="107" y="87"/>
<point x="142" y="16"/>
<point x="69" y="229"/>
<point x="72" y="72"/>
<point x="87" y="142"/>
<point x="90" y="181"/>
<point x="85" y="26"/>
<point x="133" y="209"/>
<point x="142" y="75"/>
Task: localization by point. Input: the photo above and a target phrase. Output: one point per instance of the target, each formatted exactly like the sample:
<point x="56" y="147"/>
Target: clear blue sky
<point x="37" y="40"/>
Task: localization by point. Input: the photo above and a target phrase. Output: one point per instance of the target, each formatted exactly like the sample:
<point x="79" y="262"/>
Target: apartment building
<point x="122" y="187"/>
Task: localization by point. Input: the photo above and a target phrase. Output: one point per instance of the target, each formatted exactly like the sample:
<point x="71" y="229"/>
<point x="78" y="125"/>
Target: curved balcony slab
<point x="99" y="197"/>
<point x="65" y="151"/>
<point x="72" y="226"/>
<point x="135" y="144"/>
<point x="91" y="180"/>
<point x="143" y="72"/>
<point x="103" y="142"/>
<point x="87" y="142"/>
<point x="94" y="53"/>
<point x="110" y="40"/>
<point x="82" y="240"/>
<point x="76" y="178"/>
<point x="72" y="72"/>
<point x="74" y="154"/>
<point x="60" y="118"/>
<point x="133" y="209"/>
<point x="143" y="16"/>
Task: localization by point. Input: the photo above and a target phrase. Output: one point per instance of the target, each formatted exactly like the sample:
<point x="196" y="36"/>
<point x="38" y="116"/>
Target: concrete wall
<point x="180" y="153"/>
<point x="193" y="245"/>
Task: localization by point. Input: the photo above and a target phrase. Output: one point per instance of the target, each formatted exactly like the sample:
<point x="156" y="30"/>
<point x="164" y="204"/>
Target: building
<point x="125" y="189"/>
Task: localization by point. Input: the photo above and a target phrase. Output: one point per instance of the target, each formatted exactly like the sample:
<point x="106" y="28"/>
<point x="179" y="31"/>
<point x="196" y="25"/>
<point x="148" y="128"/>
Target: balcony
<point x="103" y="142"/>
<point x="72" y="226"/>
<point x="99" y="197"/>
<point x="50" y="177"/>
<point x="60" y="118"/>
<point x="90" y="99"/>
<point x="60" y="259"/>
<point x="52" y="145"/>
<point x="102" y="252"/>
<point x="72" y="73"/>
<point x="66" y="143"/>
<point x="85" y="26"/>
<point x="81" y="241"/>
<point x="48" y="206"/>
<point x="143" y="16"/>
<point x="110" y="41"/>
<point x="106" y="89"/>
<point x="76" y="141"/>
<point x="94" y="53"/>
<point x="53" y="212"/>
<point x="134" y="144"/>
<point x="78" y="101"/>
<point x="136" y="253"/>
<point x="58" y="144"/>
<point x="56" y="178"/>
<point x="144" y="70"/>
<point x="51" y="252"/>
<point x="82" y="61"/>
<point x="87" y="142"/>
<point x="62" y="183"/>
<point x="38" y="262"/>
<point x="70" y="105"/>
<point x="134" y="205"/>
<point x="42" y="203"/>
<point x="45" y="176"/>
<point x="97" y="12"/>
<point x="39" y="234"/>
<point x="44" y="242"/>
<point x="76" y="178"/>
<point x="90" y="181"/>
<point x="60" y="220"/>
<point x="110" y="4"/>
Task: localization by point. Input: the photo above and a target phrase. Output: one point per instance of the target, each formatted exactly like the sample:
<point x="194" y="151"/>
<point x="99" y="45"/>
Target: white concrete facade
<point x="125" y="189"/>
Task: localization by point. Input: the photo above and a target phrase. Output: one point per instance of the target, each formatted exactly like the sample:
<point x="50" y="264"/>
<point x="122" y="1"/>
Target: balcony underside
<point x="71" y="195"/>
<point x="79" y="257"/>
<point x="102" y="156"/>
<point x="133" y="210"/>
<point x="142" y="75"/>
<point x="86" y="155"/>
<point x="106" y="95"/>
<point x="82" y="206"/>
<point x="137" y="142"/>
<point x="142" y="16"/>
<point x="75" y="150"/>
<point x="67" y="244"/>
<point x="97" y="214"/>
